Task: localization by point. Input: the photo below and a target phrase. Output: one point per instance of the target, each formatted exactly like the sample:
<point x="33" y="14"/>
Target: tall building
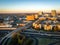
<point x="53" y="13"/>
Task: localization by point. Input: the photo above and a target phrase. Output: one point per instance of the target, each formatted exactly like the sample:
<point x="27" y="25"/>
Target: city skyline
<point x="16" y="6"/>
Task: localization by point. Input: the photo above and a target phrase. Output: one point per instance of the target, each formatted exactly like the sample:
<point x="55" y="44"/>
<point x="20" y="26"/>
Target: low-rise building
<point x="47" y="27"/>
<point x="30" y="17"/>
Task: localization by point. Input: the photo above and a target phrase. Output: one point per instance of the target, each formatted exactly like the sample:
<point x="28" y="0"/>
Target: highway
<point x="31" y="33"/>
<point x="4" y="39"/>
<point x="42" y="35"/>
<point x="41" y="32"/>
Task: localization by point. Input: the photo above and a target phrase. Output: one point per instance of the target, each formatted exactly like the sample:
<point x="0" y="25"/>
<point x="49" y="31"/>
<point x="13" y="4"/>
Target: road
<point x="40" y="34"/>
<point x="31" y="33"/>
<point x="4" y="39"/>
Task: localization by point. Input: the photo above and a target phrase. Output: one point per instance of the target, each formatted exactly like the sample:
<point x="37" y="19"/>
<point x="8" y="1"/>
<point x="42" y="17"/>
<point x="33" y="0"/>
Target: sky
<point x="9" y="6"/>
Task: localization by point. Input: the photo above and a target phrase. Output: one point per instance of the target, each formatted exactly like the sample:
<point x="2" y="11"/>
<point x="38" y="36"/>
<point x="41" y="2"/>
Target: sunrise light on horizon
<point x="13" y="6"/>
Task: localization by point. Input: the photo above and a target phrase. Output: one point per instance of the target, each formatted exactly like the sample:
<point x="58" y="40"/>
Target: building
<point x="42" y="18"/>
<point x="40" y="13"/>
<point x="46" y="15"/>
<point x="30" y="17"/>
<point x="21" y="25"/>
<point x="36" y="16"/>
<point x="47" y="27"/>
<point x="53" y="13"/>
